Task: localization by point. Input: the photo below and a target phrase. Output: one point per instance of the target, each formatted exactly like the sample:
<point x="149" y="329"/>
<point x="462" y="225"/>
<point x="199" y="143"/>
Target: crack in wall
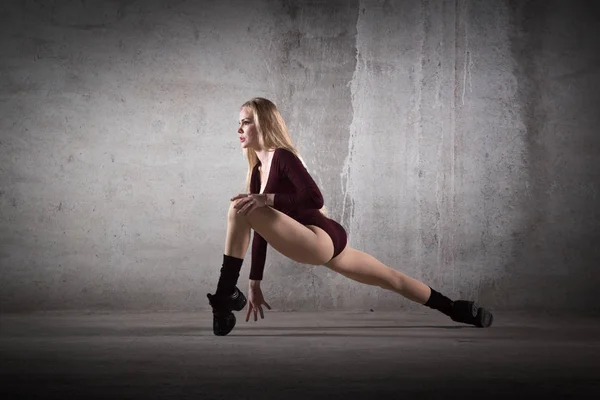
<point x="345" y="174"/>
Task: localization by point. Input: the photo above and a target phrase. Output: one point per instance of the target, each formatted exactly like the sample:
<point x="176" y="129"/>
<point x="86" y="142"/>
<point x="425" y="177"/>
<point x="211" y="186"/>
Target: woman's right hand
<point x="255" y="301"/>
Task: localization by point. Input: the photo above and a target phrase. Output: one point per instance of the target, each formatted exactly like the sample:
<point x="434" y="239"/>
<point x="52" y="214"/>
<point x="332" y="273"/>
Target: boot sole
<point x="472" y="314"/>
<point x="224" y="324"/>
<point x="484" y="318"/>
<point x="229" y="323"/>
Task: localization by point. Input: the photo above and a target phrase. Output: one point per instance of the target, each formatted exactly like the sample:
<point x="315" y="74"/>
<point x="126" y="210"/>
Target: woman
<point x="285" y="209"/>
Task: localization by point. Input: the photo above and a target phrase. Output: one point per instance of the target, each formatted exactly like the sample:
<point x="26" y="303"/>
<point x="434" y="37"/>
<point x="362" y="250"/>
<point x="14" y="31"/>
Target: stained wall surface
<point x="456" y="141"/>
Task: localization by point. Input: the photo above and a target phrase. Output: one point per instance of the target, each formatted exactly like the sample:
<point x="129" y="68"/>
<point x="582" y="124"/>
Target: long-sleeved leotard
<point x="296" y="195"/>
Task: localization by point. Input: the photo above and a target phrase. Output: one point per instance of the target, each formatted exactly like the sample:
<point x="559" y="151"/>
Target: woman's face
<point x="248" y="132"/>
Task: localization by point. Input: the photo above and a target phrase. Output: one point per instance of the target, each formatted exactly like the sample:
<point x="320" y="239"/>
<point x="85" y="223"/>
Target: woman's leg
<point x="362" y="267"/>
<point x="227" y="297"/>
<point x="237" y="238"/>
<point x="237" y="241"/>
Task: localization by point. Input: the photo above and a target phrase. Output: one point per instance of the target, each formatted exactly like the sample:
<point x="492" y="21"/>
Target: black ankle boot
<point x="468" y="312"/>
<point x="223" y="318"/>
<point x="238" y="300"/>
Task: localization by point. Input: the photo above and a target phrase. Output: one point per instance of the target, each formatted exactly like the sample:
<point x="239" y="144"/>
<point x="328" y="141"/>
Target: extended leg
<point x="364" y="268"/>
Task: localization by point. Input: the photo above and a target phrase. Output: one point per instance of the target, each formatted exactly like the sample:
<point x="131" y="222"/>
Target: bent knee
<point x="231" y="213"/>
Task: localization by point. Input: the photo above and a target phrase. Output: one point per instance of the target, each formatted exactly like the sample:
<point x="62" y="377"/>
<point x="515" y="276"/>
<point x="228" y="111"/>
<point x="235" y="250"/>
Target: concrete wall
<point x="456" y="141"/>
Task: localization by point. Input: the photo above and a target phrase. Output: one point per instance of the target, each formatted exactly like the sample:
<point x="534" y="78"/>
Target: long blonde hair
<point x="272" y="128"/>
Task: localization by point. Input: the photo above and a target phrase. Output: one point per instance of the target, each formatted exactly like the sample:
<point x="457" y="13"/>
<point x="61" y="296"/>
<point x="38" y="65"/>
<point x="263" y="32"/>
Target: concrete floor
<point x="325" y="355"/>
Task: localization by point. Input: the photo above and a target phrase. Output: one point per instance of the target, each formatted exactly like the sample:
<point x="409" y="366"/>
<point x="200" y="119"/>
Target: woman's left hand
<point x="255" y="301"/>
<point x="249" y="202"/>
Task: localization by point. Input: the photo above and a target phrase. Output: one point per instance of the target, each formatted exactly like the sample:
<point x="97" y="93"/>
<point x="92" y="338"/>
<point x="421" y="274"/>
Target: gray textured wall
<point x="455" y="140"/>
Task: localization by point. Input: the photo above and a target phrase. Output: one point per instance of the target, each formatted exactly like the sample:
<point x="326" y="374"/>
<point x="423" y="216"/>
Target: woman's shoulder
<point x="284" y="153"/>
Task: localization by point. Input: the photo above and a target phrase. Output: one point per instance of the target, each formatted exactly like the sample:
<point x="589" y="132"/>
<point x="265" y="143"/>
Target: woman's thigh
<point x="306" y="244"/>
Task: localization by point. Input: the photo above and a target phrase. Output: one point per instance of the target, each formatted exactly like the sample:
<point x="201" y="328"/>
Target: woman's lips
<point x="242" y="140"/>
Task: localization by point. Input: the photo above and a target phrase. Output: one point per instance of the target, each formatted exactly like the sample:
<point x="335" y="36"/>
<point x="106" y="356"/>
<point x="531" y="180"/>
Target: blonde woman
<point x="284" y="207"/>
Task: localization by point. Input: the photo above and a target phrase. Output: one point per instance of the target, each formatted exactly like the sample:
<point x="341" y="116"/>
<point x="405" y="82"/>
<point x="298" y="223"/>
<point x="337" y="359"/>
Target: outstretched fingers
<point x="254" y="309"/>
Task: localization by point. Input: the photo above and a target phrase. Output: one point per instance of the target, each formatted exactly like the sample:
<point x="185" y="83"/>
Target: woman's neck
<point x="265" y="156"/>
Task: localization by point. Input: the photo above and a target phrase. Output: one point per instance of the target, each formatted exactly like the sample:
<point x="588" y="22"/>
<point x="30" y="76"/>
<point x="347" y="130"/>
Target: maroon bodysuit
<point x="296" y="195"/>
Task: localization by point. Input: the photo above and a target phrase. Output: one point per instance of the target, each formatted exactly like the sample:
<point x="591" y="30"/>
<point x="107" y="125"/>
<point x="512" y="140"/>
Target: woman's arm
<point x="259" y="256"/>
<point x="259" y="244"/>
